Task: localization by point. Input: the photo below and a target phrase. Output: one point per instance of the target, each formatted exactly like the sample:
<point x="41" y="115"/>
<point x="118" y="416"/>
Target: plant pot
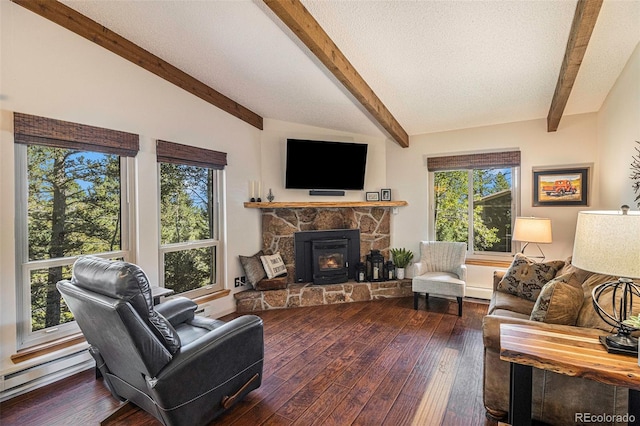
<point x="400" y="273"/>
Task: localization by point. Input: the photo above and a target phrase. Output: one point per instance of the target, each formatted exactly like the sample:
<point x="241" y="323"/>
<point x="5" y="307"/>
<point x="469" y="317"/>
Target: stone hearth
<point x="279" y="225"/>
<point x="297" y="295"/>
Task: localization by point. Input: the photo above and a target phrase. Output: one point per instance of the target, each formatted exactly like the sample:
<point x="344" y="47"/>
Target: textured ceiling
<point x="437" y="65"/>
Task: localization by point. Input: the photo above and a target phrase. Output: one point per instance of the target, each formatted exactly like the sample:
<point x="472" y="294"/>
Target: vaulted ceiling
<point x="435" y="65"/>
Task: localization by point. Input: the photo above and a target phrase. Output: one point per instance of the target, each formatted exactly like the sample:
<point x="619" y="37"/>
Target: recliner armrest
<point x="177" y="310"/>
<point x="209" y="361"/>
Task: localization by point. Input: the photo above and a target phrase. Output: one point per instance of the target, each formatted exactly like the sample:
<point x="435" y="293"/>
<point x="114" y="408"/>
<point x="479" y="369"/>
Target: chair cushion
<point x="588" y="316"/>
<point x="559" y="301"/>
<point x="525" y="277"/>
<point x="443" y="283"/>
<point x="510" y="302"/>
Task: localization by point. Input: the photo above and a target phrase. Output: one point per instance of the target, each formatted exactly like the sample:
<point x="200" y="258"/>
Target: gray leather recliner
<point x="181" y="368"/>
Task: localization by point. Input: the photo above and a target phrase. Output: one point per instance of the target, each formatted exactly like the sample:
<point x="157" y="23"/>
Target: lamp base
<point x="620" y="344"/>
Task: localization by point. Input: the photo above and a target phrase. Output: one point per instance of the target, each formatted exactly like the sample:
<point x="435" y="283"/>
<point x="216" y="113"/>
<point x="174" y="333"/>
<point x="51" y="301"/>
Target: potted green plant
<point x="401" y="258"/>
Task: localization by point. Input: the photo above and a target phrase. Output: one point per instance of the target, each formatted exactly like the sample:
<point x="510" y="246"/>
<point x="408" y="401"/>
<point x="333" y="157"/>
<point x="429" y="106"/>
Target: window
<point x="72" y="201"/>
<point x="475" y="200"/>
<point x="190" y="220"/>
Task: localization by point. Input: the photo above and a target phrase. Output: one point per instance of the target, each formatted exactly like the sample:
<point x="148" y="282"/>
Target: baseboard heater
<point x="326" y="192"/>
<point x="30" y="378"/>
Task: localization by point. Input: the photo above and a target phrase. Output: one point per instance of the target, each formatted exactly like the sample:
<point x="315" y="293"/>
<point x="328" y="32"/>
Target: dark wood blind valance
<point x="170" y="152"/>
<point x="33" y="130"/>
<point x="474" y="161"/>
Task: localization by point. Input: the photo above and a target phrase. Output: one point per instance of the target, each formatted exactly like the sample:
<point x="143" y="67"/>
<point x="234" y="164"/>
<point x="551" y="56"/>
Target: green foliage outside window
<point x="187" y="215"/>
<point x="491" y="198"/>
<point x="73" y="208"/>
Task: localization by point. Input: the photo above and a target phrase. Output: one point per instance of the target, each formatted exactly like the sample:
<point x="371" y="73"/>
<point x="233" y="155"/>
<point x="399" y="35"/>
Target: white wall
<point x="273" y="157"/>
<point x="575" y="142"/>
<point x="618" y="129"/>
<point x="51" y="72"/>
<point x="48" y="71"/>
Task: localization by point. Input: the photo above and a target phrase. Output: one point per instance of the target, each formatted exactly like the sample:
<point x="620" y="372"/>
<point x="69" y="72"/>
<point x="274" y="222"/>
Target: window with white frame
<point x="71" y="200"/>
<point x="475" y="200"/>
<point x="190" y="219"/>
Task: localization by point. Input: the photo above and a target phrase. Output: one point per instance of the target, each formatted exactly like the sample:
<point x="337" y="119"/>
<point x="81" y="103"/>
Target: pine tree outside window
<point x="190" y="218"/>
<point x="475" y="200"/>
<point x="72" y="200"/>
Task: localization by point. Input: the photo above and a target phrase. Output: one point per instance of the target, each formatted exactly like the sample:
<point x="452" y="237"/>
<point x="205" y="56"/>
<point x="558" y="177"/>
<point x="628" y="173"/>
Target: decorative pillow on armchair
<point x="559" y="301"/>
<point x="253" y="268"/>
<point x="525" y="277"/>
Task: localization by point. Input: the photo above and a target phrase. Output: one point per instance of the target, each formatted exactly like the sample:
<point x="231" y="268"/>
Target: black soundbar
<point x="325" y="192"/>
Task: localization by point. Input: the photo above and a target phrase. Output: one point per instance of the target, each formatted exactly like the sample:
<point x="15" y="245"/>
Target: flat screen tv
<point x="325" y="165"/>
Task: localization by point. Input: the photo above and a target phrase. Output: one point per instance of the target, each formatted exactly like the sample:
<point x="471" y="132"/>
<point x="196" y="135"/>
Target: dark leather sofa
<point x="181" y="368"/>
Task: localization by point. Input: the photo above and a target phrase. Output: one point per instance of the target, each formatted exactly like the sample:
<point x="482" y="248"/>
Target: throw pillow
<point x="559" y="301"/>
<point x="273" y="265"/>
<point x="525" y="277"/>
<point x="253" y="269"/>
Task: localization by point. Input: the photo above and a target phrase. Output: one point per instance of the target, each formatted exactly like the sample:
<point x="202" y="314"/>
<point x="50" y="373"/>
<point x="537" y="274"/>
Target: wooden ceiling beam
<point x="584" y="20"/>
<point x="294" y="15"/>
<point x="102" y="36"/>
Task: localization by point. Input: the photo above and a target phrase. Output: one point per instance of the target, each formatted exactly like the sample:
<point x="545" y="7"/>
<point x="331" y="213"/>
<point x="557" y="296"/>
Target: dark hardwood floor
<point x="367" y="363"/>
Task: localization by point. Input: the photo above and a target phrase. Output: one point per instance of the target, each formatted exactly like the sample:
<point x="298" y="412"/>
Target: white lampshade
<point x="608" y="242"/>
<point x="532" y="230"/>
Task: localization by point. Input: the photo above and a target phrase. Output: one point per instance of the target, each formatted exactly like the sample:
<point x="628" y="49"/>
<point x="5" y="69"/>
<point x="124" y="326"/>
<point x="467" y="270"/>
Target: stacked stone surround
<point x="297" y="295"/>
<point x="279" y="225"/>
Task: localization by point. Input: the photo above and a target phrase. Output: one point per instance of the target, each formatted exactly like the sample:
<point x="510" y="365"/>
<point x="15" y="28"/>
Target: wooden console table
<point x="574" y="354"/>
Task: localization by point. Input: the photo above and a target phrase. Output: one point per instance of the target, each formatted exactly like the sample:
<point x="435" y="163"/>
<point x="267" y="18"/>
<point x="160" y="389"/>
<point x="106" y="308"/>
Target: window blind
<point x="474" y="161"/>
<point x="34" y="130"/>
<point x="171" y="152"/>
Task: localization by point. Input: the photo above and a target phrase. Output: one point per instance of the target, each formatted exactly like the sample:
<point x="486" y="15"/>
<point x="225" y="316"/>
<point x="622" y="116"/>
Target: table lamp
<point x="535" y="230"/>
<point x="608" y="242"/>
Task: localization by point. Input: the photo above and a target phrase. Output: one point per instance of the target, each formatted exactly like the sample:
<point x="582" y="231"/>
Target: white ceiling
<point x="436" y="65"/>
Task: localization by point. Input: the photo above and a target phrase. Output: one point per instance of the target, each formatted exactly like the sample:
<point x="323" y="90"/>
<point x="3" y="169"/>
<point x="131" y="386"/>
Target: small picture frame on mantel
<point x="385" y="194"/>
<point x="372" y="196"/>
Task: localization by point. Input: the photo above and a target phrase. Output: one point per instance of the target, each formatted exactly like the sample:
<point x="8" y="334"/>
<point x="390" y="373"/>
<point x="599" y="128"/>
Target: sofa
<point x="556" y="398"/>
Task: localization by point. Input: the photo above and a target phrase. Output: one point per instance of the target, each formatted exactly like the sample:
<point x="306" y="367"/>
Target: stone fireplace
<point x="280" y="225"/>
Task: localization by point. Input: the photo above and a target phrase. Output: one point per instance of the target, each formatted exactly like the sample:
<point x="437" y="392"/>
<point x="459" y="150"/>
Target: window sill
<point x="78" y="338"/>
<point x="495" y="263"/>
<point x="47" y="348"/>
<point x="212" y="296"/>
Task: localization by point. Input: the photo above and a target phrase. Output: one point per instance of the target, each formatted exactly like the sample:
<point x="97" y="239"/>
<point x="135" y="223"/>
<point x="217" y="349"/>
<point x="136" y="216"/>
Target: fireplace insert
<point x="334" y="265"/>
<point x="329" y="258"/>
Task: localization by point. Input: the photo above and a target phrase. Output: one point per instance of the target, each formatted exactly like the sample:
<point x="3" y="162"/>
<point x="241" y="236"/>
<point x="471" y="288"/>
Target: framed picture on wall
<point x="561" y="187"/>
<point x="385" y="194"/>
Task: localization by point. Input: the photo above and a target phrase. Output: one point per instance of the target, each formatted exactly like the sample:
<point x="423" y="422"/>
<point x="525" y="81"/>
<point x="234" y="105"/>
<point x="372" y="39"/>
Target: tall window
<point x="475" y="200"/>
<point x="190" y="246"/>
<point x="72" y="201"/>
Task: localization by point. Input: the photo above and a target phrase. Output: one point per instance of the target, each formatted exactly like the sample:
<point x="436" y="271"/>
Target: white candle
<point x="251" y="194"/>
<point x="259" y="195"/>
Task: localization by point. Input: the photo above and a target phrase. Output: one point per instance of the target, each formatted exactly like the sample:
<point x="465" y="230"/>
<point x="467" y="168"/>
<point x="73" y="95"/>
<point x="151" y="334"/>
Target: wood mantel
<point x="324" y="204"/>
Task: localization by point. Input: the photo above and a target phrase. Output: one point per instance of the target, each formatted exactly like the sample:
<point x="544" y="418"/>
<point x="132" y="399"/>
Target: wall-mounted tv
<point x="325" y="165"/>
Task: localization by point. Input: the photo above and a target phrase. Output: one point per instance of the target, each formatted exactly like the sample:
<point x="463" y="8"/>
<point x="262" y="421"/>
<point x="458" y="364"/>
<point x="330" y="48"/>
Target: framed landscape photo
<point x="373" y="196"/>
<point x="561" y="187"/>
<point x="385" y="194"/>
